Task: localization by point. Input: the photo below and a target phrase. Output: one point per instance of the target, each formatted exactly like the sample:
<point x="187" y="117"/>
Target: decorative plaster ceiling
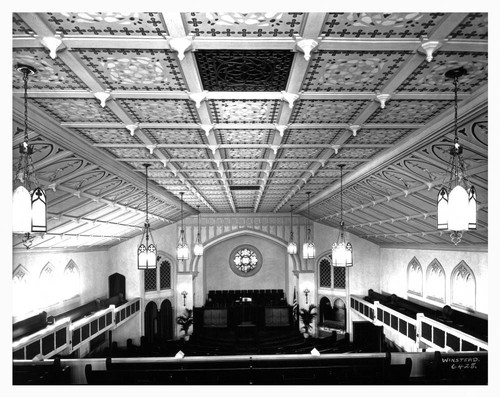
<point x="232" y="110"/>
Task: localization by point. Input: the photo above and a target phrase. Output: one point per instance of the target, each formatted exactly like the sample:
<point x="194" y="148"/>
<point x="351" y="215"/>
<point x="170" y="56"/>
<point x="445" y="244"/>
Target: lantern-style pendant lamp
<point x="29" y="201"/>
<point x="457" y="201"/>
<point x="182" y="247"/>
<point x="308" y="249"/>
<point x="292" y="247"/>
<point x="146" y="252"/>
<point x="198" y="246"/>
<point x="341" y="251"/>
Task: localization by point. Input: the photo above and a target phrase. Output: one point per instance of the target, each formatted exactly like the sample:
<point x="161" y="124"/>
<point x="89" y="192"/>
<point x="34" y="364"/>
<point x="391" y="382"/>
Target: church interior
<point x="261" y="198"/>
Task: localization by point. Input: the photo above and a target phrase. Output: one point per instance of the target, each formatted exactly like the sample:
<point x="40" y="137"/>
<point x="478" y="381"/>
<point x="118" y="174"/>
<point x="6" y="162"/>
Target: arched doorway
<point x="339" y="314"/>
<point x="325" y="311"/>
<point x="151" y="322"/>
<point x="165" y="330"/>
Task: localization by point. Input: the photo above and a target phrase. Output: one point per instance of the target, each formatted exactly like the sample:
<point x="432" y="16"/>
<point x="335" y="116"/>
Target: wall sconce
<point x="306" y="293"/>
<point x="184" y="294"/>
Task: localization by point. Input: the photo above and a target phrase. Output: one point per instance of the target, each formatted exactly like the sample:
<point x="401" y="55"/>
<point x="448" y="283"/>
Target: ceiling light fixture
<point x="341" y="251"/>
<point x="292" y="247"/>
<point x="146" y="252"/>
<point x="308" y="249"/>
<point x="29" y="201"/>
<point x="457" y="201"/>
<point x="182" y="247"/>
<point x="198" y="246"/>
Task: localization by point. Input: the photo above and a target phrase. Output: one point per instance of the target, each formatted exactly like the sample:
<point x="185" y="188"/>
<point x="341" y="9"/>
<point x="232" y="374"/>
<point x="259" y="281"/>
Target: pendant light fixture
<point x="146" y="253"/>
<point x="198" y="246"/>
<point x="182" y="247"/>
<point x="341" y="251"/>
<point x="29" y="201"/>
<point x="292" y="247"/>
<point x="308" y="249"/>
<point x="457" y="201"/>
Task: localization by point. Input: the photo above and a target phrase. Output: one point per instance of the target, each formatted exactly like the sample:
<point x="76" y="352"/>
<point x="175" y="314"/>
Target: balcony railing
<point x="65" y="336"/>
<point x="412" y="332"/>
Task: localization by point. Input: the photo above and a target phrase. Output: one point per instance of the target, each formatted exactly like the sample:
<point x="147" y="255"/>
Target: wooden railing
<point x="433" y="333"/>
<point x="65" y="336"/>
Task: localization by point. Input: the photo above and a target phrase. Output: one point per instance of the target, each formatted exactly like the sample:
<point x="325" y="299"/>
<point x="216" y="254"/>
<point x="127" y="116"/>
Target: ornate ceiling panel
<point x="247" y="112"/>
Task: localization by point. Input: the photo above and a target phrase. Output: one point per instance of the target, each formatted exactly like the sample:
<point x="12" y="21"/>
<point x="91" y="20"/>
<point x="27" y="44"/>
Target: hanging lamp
<point x="182" y="247"/>
<point x="457" y="200"/>
<point x="292" y="247"/>
<point x="308" y="249"/>
<point x="146" y="252"/>
<point x="198" y="246"/>
<point x="29" y="201"/>
<point x="341" y="251"/>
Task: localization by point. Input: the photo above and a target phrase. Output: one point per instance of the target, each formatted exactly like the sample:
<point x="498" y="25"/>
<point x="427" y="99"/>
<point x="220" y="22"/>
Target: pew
<point x="89" y="308"/>
<point x="258" y="370"/>
<point x="472" y="325"/>
<point x="41" y="373"/>
<point x="29" y="325"/>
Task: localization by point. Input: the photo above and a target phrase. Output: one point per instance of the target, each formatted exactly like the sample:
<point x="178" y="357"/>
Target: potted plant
<point x="307" y="317"/>
<point x="185" y="320"/>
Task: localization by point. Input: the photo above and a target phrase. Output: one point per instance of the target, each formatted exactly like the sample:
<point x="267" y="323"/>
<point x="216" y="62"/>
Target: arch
<point x="151" y="322"/>
<point x="414" y="277"/>
<point x="463" y="286"/>
<point x="435" y="281"/>
<point x="325" y="310"/>
<point x="165" y="323"/>
<point x="245" y="232"/>
<point x="339" y="313"/>
<point x="324" y="272"/>
<point x="22" y="291"/>
<point x="48" y="286"/>
<point x="71" y="280"/>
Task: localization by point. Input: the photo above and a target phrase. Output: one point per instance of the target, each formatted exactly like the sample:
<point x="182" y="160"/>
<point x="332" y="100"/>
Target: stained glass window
<point x="165" y="279"/>
<point x="245" y="260"/>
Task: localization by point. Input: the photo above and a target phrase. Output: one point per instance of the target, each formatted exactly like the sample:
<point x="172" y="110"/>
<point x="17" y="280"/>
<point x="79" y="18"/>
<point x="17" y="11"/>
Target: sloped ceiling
<point x="231" y="109"/>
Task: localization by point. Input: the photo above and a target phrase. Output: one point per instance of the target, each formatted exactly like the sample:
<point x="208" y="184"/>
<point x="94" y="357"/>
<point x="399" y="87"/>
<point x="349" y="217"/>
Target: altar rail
<point x="65" y="336"/>
<point x="408" y="332"/>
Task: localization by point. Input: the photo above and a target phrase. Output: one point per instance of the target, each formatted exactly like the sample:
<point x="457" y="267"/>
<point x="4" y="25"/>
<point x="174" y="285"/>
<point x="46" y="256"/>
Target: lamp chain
<point x="25" y="79"/>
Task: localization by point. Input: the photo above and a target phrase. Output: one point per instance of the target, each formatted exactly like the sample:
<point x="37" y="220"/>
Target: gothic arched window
<point x="415" y="277"/>
<point x="435" y="281"/>
<point x="463" y="286"/>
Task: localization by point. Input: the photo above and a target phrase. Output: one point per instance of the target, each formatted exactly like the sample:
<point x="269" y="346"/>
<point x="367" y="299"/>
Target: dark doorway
<point x="325" y="311"/>
<point x="339" y="313"/>
<point x="165" y="321"/>
<point x="151" y="323"/>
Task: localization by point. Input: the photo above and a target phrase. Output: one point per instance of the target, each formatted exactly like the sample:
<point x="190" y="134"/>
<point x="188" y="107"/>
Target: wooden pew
<point x="261" y="370"/>
<point x="29" y="325"/>
<point x="41" y="373"/>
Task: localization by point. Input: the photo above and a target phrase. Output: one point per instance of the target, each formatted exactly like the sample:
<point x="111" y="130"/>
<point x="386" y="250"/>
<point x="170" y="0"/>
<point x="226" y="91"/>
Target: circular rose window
<point x="245" y="260"/>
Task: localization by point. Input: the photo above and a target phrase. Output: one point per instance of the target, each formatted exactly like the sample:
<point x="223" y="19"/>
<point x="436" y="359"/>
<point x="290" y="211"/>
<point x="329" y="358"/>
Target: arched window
<point x="71" y="280"/>
<point x="435" y="281"/>
<point x="463" y="286"/>
<point x="48" y="287"/>
<point x="331" y="276"/>
<point x="21" y="291"/>
<point x="165" y="274"/>
<point x="161" y="277"/>
<point x="415" y="277"/>
<point x="325" y="273"/>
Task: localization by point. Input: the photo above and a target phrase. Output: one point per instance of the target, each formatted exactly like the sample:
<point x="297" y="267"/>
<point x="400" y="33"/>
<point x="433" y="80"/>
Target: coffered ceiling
<point x="247" y="113"/>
